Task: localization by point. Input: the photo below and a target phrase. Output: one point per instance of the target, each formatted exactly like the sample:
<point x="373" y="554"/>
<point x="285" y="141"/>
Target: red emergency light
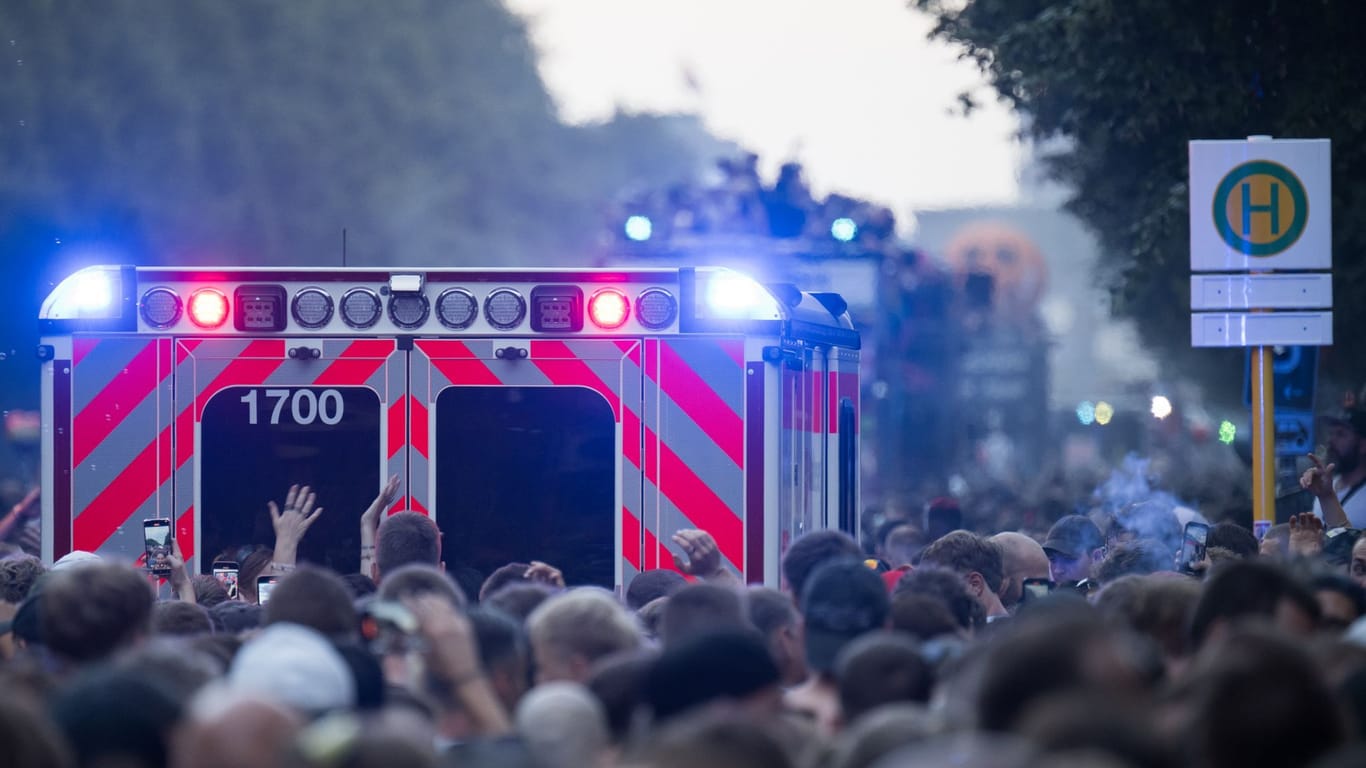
<point x="208" y="308"/>
<point x="609" y="308"/>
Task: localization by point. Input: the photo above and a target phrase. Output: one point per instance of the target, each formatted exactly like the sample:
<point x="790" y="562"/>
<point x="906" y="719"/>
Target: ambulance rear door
<point x="531" y="450"/>
<point x="255" y="415"/>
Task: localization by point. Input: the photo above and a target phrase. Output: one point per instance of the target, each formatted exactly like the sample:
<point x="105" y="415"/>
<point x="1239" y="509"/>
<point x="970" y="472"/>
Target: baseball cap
<point x="75" y="559"/>
<point x="1355" y="418"/>
<point x="1074" y="536"/>
<point x="296" y="666"/>
<point x="843" y="600"/>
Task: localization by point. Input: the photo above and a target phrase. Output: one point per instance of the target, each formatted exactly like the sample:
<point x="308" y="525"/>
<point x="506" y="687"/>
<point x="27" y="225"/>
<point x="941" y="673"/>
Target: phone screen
<point x="226" y="573"/>
<point x="1037" y="588"/>
<point x="156" y="536"/>
<point x="264" y="585"/>
<point x="1193" y="545"/>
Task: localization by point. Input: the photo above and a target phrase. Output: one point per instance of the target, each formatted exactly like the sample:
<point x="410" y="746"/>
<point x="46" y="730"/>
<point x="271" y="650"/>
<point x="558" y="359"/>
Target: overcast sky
<point x="852" y="88"/>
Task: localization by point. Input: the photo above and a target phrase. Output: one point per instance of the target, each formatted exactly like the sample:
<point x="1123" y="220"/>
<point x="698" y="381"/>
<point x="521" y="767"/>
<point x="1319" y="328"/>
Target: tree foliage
<point x="253" y="132"/>
<point x="1121" y="86"/>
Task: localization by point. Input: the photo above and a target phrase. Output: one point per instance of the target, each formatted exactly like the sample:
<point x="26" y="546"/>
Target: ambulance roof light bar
<point x="93" y="297"/>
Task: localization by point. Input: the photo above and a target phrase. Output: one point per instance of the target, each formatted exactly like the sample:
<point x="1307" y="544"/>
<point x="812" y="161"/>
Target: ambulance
<point x="575" y="416"/>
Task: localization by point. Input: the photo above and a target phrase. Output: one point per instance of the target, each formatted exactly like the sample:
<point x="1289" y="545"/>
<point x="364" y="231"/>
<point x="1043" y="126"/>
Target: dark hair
<point x="93" y="610"/>
<point x="923" y="617"/>
<point x="519" y="600"/>
<point x="1233" y="537"/>
<point x="1163" y="610"/>
<point x="234" y="617"/>
<point x="208" y="591"/>
<point x="948" y="588"/>
<point x="1037" y="659"/>
<point x="1258" y="700"/>
<point x="512" y="573"/>
<point x="29" y="738"/>
<point x="113" y="716"/>
<point x="498" y="636"/>
<point x="881" y="668"/>
<point x="618" y="681"/>
<point x="718" y="740"/>
<point x="316" y="598"/>
<point x="710" y="667"/>
<point x="17" y="575"/>
<point x="173" y="617"/>
<point x="965" y="552"/>
<point x="698" y="609"/>
<point x="650" y="585"/>
<point x="1135" y="558"/>
<point x="419" y="579"/>
<point x="1245" y="588"/>
<point x="360" y="585"/>
<point x="770" y="610"/>
<point x="1336" y="582"/>
<point x="173" y="664"/>
<point x="251" y="568"/>
<point x="406" y="538"/>
<point x="810" y="551"/>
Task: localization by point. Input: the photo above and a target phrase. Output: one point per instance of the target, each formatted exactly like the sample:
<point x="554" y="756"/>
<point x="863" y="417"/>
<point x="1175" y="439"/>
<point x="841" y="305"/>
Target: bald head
<point x="1022" y="558"/>
<point x="227" y="729"/>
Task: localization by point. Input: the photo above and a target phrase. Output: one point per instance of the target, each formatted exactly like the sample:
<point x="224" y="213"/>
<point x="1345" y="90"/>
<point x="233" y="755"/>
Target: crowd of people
<point x="737" y="202"/>
<point x="1108" y="640"/>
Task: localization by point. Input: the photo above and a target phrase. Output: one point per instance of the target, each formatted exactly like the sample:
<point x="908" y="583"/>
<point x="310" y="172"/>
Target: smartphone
<point x="226" y="573"/>
<point x="1192" y="546"/>
<point x="264" y="585"/>
<point x="1035" y="589"/>
<point x="156" y="537"/>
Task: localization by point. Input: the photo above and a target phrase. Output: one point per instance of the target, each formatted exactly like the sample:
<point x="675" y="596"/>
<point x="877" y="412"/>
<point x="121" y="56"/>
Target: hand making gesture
<point x="292" y="523"/>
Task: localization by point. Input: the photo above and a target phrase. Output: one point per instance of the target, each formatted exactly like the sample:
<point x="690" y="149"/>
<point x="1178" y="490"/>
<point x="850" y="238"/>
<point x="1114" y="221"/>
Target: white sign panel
<point x="1260" y="205"/>
<point x="1261" y="329"/>
<point x="1301" y="290"/>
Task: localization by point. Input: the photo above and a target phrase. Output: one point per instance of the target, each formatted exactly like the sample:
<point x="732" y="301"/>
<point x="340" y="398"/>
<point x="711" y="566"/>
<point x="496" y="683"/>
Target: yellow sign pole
<point x="1263" y="441"/>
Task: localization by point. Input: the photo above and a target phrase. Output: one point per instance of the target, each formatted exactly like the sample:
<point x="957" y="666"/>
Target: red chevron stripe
<point x="108" y="409"/>
<point x="700" y="402"/>
<point x="700" y="504"/>
<point x="253" y="366"/>
<point x="563" y="368"/>
<point x="398" y="426"/>
<point x="630" y="538"/>
<point x="119" y="500"/>
<point x="184" y="532"/>
<point x="418" y="432"/>
<point x="356" y="364"/>
<point x="630" y="437"/>
<point x="80" y="347"/>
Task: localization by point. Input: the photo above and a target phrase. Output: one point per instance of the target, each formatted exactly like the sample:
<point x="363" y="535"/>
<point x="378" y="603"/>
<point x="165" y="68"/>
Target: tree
<point x="254" y="132"/>
<point x="1120" y="87"/>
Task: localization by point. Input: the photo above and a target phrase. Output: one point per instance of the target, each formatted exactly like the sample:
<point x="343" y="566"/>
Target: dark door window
<point x="257" y="441"/>
<point x="527" y="473"/>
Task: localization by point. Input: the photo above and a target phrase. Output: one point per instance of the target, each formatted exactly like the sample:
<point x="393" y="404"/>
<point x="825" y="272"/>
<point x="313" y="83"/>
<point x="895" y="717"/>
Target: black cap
<point x="1074" y="537"/>
<point x="1353" y="418"/>
<point x="843" y="600"/>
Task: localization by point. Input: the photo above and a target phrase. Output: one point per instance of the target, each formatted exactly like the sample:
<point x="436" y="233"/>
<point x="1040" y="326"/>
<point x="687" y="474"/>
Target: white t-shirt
<point x="1353" y="503"/>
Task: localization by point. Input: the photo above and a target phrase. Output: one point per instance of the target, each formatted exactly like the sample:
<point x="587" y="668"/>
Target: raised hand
<point x="179" y="578"/>
<point x="369" y="519"/>
<point x="293" y="522"/>
<point x="1306" y="534"/>
<point x="1318" y="479"/>
<point x="703" y="556"/>
<point x="546" y="574"/>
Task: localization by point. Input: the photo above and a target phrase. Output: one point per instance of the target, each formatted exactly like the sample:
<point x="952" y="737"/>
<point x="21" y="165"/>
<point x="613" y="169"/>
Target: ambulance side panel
<point x="119" y="393"/>
<point x="695" y="410"/>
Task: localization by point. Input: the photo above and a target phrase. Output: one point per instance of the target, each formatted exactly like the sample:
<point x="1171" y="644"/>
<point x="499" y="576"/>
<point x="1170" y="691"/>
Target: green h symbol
<point x="1272" y="208"/>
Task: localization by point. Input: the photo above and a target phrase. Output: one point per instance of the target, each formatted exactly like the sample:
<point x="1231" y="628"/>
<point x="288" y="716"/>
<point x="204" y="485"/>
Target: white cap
<point x="296" y="666"/>
<point x="75" y="559"/>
